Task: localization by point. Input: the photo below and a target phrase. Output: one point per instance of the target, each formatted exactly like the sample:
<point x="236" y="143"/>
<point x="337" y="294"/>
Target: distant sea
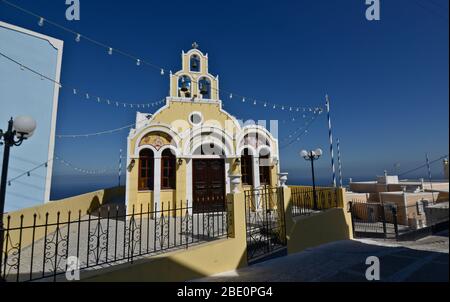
<point x="67" y="186"/>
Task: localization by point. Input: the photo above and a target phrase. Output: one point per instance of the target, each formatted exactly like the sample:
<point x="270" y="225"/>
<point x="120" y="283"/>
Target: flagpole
<point x="339" y="163"/>
<point x="330" y="135"/>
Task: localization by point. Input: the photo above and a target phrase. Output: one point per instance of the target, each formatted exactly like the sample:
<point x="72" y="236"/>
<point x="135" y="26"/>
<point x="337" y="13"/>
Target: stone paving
<point x="344" y="261"/>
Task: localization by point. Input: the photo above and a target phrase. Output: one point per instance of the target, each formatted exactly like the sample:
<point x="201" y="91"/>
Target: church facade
<point x="190" y="153"/>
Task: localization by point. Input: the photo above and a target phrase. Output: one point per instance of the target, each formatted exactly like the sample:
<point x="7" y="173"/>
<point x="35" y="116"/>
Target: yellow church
<point x="191" y="153"/>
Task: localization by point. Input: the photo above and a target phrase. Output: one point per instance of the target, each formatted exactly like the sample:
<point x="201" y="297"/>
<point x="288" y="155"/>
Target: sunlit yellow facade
<point x="190" y="123"/>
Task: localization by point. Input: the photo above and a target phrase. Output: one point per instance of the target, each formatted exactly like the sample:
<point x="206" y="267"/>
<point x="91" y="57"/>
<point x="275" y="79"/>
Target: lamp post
<point x="312" y="156"/>
<point x="19" y="129"/>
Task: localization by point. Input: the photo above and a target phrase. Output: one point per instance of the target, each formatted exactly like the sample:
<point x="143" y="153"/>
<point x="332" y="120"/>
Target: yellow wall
<point x="303" y="232"/>
<point x="84" y="204"/>
<point x="195" y="262"/>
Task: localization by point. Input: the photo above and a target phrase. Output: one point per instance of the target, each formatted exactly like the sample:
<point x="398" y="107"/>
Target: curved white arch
<point x="198" y="142"/>
<point x="264" y="147"/>
<point x="175" y="150"/>
<point x="259" y="130"/>
<point x="143" y="147"/>
<point x="175" y="142"/>
<point x="252" y="150"/>
<point x="191" y="136"/>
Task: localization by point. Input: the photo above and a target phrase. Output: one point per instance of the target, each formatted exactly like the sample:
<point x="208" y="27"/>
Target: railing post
<point x="383" y="218"/>
<point x="350" y="209"/>
<point x="394" y="215"/>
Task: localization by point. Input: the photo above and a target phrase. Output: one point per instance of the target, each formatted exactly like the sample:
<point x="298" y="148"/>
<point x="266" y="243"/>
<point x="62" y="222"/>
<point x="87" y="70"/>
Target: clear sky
<point x="387" y="80"/>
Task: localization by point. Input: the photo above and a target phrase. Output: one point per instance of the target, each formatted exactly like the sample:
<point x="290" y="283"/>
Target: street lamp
<point x="312" y="156"/>
<point x="19" y="129"/>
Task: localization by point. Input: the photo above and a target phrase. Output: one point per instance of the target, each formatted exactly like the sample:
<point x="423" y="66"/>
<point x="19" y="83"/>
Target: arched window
<point x="204" y="86"/>
<point x="168" y="169"/>
<point x="195" y="63"/>
<point x="264" y="168"/>
<point x="184" y="86"/>
<point x="247" y="168"/>
<point x="146" y="170"/>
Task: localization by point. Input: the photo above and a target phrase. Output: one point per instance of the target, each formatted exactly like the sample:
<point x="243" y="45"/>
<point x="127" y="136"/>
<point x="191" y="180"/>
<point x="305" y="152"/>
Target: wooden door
<point x="208" y="185"/>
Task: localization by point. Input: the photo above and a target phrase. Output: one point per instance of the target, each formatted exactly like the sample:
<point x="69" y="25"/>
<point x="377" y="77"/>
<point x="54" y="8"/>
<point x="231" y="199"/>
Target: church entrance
<point x="208" y="185"/>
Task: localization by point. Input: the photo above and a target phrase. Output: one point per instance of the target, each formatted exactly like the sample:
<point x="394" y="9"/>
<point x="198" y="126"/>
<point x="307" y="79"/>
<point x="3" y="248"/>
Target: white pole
<point x="339" y="163"/>
<point x="330" y="135"/>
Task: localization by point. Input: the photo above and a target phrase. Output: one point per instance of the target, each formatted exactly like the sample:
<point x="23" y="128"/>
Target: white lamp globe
<point x="318" y="152"/>
<point x="24" y="125"/>
<point x="304" y="153"/>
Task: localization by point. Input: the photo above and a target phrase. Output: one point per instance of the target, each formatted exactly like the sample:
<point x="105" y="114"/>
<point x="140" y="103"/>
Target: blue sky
<point x="387" y="80"/>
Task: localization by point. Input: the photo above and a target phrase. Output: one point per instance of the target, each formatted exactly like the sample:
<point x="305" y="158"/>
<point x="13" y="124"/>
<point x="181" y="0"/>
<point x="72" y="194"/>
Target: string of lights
<point x="302" y="133"/>
<point x="29" y="172"/>
<point x="422" y="166"/>
<point x="81" y="92"/>
<point x="298" y="130"/>
<point x="110" y="50"/>
<point x="86" y="171"/>
<point x="96" y="133"/>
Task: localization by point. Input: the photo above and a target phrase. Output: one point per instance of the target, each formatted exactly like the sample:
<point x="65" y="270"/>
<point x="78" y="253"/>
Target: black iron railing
<point x="304" y="203"/>
<point x="391" y="220"/>
<point x="265" y="222"/>
<point x="104" y="237"/>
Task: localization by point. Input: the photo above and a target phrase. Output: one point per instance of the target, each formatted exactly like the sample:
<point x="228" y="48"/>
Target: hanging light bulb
<point x="21" y="67"/>
<point x="297" y="109"/>
<point x="87" y="96"/>
<point x="293" y="119"/>
<point x="162" y="71"/>
<point x="28" y="174"/>
<point x="78" y="38"/>
<point x="282" y="107"/>
<point x="290" y="108"/>
<point x="110" y="51"/>
<point x="46" y="165"/>
<point x="74" y="91"/>
<point x="41" y="21"/>
<point x="9" y="183"/>
<point x="98" y="99"/>
<point x="274" y="106"/>
<point x="138" y="62"/>
<point x="231" y="95"/>
<point x="243" y="100"/>
<point x="265" y="104"/>
<point x="254" y="102"/>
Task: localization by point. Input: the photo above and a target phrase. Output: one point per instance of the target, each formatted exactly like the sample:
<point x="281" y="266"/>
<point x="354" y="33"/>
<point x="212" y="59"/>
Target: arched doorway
<point x="208" y="179"/>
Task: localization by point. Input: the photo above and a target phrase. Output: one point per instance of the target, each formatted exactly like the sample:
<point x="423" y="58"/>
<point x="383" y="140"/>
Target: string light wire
<point x="139" y="61"/>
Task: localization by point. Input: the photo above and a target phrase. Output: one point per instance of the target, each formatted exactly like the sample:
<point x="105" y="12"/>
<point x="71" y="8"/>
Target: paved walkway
<point x="344" y="261"/>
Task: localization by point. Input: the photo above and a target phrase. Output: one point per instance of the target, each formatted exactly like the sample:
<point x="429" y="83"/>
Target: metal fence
<point x="389" y="220"/>
<point x="265" y="222"/>
<point x="304" y="203"/>
<point x="99" y="239"/>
